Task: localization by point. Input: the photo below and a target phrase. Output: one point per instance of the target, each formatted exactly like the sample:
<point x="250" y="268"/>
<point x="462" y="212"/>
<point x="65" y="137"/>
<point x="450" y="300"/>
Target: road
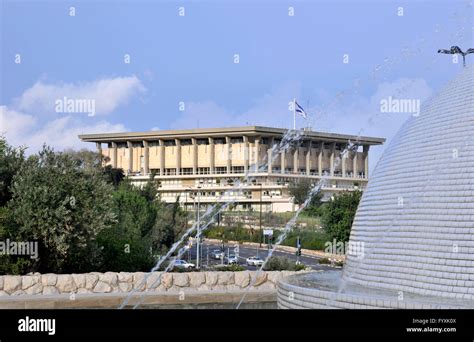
<point x="248" y="251"/>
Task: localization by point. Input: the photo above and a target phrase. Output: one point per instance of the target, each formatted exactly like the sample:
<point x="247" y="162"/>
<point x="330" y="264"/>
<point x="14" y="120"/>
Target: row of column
<point x="332" y="158"/>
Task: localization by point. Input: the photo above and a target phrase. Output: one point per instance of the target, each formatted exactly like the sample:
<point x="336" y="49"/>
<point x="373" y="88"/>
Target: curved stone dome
<point x="416" y="217"/>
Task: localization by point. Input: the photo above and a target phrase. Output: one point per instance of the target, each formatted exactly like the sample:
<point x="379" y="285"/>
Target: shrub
<point x="276" y="263"/>
<point x="300" y="267"/>
<point x="310" y="239"/>
<point x="231" y="268"/>
<point x="324" y="261"/>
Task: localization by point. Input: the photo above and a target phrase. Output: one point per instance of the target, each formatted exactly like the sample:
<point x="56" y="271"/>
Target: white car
<point x="232" y="259"/>
<point x="217" y="254"/>
<point x="183" y="264"/>
<point x="254" y="261"/>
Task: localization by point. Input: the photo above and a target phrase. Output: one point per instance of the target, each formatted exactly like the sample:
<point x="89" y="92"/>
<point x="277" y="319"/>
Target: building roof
<point x="221" y="132"/>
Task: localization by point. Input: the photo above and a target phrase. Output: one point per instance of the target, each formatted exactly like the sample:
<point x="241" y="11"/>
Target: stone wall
<point x="113" y="282"/>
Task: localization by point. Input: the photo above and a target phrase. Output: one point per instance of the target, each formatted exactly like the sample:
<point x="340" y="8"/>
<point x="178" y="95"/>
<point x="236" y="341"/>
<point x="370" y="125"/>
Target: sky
<point x="150" y="65"/>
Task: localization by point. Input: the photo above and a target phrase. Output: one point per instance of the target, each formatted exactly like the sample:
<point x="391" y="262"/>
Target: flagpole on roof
<point x="294" y="114"/>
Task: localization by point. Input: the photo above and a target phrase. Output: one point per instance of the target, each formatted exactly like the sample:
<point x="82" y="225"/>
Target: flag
<point x="300" y="110"/>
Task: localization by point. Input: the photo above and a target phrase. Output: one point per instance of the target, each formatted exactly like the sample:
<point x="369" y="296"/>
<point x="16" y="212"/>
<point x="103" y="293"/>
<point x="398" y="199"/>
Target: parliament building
<point x="238" y="164"/>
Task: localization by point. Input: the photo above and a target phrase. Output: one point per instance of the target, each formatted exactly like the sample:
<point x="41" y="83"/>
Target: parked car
<point x="183" y="264"/>
<point x="232" y="259"/>
<point x="217" y="254"/>
<point x="254" y="261"/>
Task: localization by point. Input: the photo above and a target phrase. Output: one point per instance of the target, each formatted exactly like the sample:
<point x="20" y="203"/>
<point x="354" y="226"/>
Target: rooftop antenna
<point x="456" y="50"/>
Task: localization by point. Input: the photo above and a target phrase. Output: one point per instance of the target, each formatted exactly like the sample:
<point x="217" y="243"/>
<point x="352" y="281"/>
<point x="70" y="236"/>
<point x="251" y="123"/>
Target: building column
<point x="308" y="159"/>
<point x="113" y="158"/>
<point x="343" y="160"/>
<point x="130" y="156"/>
<point x="212" y="159"/>
<point x="354" y="165"/>
<point x="366" y="160"/>
<point x="331" y="160"/>
<point x="270" y="154"/>
<point x="178" y="155"/>
<point x="282" y="163"/>
<point x="296" y="160"/>
<point x="146" y="157"/>
<point x="229" y="152"/>
<point x="162" y="157"/>
<point x="246" y="154"/>
<point x="320" y="159"/>
<point x="98" y="145"/>
<point x="194" y="155"/>
<point x="257" y="153"/>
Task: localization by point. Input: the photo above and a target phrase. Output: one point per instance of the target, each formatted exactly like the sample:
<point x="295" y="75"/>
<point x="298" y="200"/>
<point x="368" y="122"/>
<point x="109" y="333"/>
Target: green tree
<point x="12" y="264"/>
<point x="10" y="162"/>
<point x="63" y="206"/>
<point x="86" y="159"/>
<point x="145" y="226"/>
<point x="126" y="246"/>
<point x="338" y="215"/>
<point x="299" y="190"/>
<point x="93" y="160"/>
<point x="113" y="175"/>
<point x="170" y="224"/>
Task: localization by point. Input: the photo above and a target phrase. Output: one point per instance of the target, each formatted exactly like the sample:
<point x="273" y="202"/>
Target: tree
<point x="170" y="224"/>
<point x="12" y="264"/>
<point x="63" y="206"/>
<point x="126" y="246"/>
<point x="86" y="159"/>
<point x="113" y="175"/>
<point x="93" y="160"/>
<point x="338" y="215"/>
<point x="300" y="189"/>
<point x="10" y="162"/>
<point x="145" y="226"/>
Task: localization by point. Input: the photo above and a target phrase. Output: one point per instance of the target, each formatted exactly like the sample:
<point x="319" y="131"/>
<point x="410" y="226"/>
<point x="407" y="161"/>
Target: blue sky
<point x="190" y="59"/>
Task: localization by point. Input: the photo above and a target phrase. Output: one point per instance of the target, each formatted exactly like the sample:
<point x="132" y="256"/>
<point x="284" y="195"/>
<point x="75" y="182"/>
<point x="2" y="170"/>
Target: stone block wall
<point x="119" y="282"/>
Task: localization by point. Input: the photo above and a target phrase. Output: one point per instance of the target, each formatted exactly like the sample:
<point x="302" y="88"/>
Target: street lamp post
<point x="186" y="209"/>
<point x="198" y="235"/>
<point x="261" y="195"/>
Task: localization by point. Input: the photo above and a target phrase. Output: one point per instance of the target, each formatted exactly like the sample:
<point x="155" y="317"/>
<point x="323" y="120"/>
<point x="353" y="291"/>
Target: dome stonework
<point x="416" y="218"/>
<point x="415" y="221"/>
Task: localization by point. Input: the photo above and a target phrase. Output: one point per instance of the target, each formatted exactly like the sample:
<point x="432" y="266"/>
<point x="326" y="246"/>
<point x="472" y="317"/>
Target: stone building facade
<point x="209" y="162"/>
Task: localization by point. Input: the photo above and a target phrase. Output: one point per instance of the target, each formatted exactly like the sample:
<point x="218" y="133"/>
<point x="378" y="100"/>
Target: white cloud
<point x="22" y="129"/>
<point x="14" y="124"/>
<point x="31" y="119"/>
<point x="108" y="94"/>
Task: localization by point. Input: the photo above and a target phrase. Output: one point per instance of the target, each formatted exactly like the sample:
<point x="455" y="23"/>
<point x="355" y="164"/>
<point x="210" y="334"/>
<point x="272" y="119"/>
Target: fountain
<point x="415" y="220"/>
<point x="289" y="138"/>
